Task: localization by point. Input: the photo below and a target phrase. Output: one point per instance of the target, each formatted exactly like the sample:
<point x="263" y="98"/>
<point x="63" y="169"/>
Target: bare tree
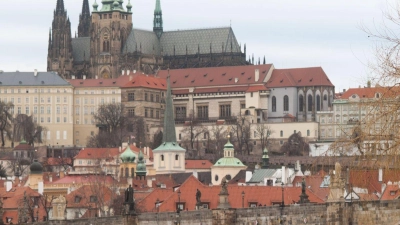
<point x="157" y="139"/>
<point x="241" y="130"/>
<point x="263" y="132"/>
<point x="25" y="128"/>
<point x="191" y="134"/>
<point x="218" y="138"/>
<point x="295" y="146"/>
<point x="5" y="121"/>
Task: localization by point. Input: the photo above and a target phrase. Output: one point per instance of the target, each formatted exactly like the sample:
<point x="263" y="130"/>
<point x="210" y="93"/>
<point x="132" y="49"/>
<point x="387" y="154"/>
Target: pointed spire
<point x="60" y="7"/>
<point x="264" y="61"/>
<point x="169" y="134"/>
<point x="95" y="6"/>
<point x="158" y="21"/>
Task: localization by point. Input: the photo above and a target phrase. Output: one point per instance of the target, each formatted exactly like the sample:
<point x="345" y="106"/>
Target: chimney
<point x="119" y="149"/>
<point x="8" y="185"/>
<point x="128" y="72"/>
<point x="73" y="77"/>
<point x="380" y="178"/>
<point x="195" y="174"/>
<point x="97" y="77"/>
<point x="257" y="75"/>
<point x="40" y="187"/>
<point x="84" y="77"/>
<point x="284" y="175"/>
<point x="344" y="90"/>
<point x="50" y="178"/>
<point x="249" y="175"/>
<point x="123" y="72"/>
<point x="149" y="183"/>
<point x="236" y="80"/>
<point x="35" y="72"/>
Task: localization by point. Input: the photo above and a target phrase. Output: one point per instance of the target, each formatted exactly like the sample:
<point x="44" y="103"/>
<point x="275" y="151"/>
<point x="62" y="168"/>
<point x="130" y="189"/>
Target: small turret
<point x="158" y="21"/>
<point x="95" y="6"/>
<point x="128" y="156"/>
<point x="129" y="6"/>
<point x="141" y="167"/>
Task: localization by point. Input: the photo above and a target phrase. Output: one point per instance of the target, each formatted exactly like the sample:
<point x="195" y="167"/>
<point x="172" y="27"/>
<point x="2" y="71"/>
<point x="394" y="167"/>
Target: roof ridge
<point x="197" y="29"/>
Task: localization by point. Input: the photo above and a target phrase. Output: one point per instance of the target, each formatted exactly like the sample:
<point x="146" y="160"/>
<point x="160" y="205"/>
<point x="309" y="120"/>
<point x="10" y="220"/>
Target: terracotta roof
<point x="298" y="77"/>
<point x="11" y="214"/>
<point x="85" y="179"/>
<point x="57" y="161"/>
<point x="256" y="88"/>
<point x="84" y="193"/>
<point x="391" y="192"/>
<point x="198" y="164"/>
<point x="97" y="153"/>
<point x="264" y="195"/>
<point x="23" y="146"/>
<point x="370" y="92"/>
<point x="216" y="76"/>
<point x="148" y="204"/>
<point x="313" y="184"/>
<point x="141" y="80"/>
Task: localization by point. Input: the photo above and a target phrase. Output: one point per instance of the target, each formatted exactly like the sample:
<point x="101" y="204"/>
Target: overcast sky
<point x="289" y="33"/>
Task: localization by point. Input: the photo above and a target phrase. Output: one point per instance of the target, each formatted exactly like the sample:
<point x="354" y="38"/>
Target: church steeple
<point x="84" y="20"/>
<point x="60" y="7"/>
<point x="169" y="134"/>
<point x="158" y="22"/>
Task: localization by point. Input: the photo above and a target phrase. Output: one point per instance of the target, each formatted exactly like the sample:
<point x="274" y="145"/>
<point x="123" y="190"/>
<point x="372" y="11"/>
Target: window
<point x="26" y="100"/>
<point x="325" y="97"/>
<point x="35" y="110"/>
<point x="318" y="103"/>
<point x="19" y="110"/>
<point x="157" y="114"/>
<point x="202" y="112"/>
<point x="310" y="103"/>
<point x="77" y="198"/>
<point x="27" y="110"/>
<point x="49" y="100"/>
<point x="151" y="113"/>
<point x="58" y="99"/>
<point x="180" y="136"/>
<point x="242" y="106"/>
<point x="65" y="110"/>
<point x="224" y="111"/>
<point x="157" y="98"/>
<point x="131" y="97"/>
<point x="180" y="112"/>
<point x="151" y="97"/>
<point x="176" y="157"/>
<point x="281" y="133"/>
<point x="58" y="109"/>
<point x="35" y="100"/>
<point x="273" y="104"/>
<point x="93" y="198"/>
<point x="77" y="111"/>
<point x="285" y="103"/>
<point x="131" y="112"/>
<point x="146" y="113"/>
<point x="145" y="97"/>
<point x="308" y="133"/>
<point x="301" y="102"/>
<point x="162" y="157"/>
<point x="48" y="110"/>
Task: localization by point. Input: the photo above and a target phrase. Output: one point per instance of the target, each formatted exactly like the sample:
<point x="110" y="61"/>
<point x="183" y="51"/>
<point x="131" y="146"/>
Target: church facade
<point x="107" y="45"/>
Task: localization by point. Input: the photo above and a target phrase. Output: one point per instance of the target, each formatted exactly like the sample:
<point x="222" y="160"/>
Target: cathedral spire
<point x="158" y="21"/>
<point x="169" y="134"/>
<point x="60" y="7"/>
<point x="84" y="20"/>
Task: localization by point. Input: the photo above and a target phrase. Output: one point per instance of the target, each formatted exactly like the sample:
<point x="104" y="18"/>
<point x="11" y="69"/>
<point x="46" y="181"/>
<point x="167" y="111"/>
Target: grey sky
<point x="290" y="33"/>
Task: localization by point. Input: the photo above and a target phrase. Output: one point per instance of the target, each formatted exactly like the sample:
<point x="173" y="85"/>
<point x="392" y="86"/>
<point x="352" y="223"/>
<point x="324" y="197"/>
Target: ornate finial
<point x="229" y="133"/>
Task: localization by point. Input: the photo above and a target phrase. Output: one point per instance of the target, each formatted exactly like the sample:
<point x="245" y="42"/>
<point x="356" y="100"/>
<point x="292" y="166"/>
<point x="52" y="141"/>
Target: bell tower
<point x="59" y="56"/>
<point x="109" y="31"/>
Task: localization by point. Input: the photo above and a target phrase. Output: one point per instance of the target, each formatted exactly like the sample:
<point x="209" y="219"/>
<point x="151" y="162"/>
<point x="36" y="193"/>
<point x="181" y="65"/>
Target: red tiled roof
<point x="84" y="192"/>
<point x="141" y="80"/>
<point x="264" y="195"/>
<point x="85" y="179"/>
<point x="216" y="76"/>
<point x="11" y="214"/>
<point x="197" y="164"/>
<point x="370" y="92"/>
<point x="256" y="88"/>
<point x="97" y="153"/>
<point x="57" y="161"/>
<point x="148" y="204"/>
<point x="23" y="146"/>
<point x="313" y="184"/>
<point x="391" y="192"/>
<point x="299" y="77"/>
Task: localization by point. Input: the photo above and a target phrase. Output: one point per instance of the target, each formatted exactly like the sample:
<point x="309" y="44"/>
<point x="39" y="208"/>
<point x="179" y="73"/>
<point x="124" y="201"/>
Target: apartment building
<point x="47" y="97"/>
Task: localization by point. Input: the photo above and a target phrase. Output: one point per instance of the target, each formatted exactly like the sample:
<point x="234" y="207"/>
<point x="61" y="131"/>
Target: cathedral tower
<point x="158" y="22"/>
<point x="59" y="56"/>
<point x="84" y="20"/>
<point x="109" y="31"/>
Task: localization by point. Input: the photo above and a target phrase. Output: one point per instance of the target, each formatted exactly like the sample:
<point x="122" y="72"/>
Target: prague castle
<point x="107" y="45"/>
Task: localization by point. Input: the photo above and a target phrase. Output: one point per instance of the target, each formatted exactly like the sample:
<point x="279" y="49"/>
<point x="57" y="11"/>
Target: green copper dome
<point x="232" y="161"/>
<point x="128" y="156"/>
<point x="228" y="145"/>
<point x="129" y="5"/>
<point x="95" y="5"/>
<point x="36" y="167"/>
<point x="141" y="166"/>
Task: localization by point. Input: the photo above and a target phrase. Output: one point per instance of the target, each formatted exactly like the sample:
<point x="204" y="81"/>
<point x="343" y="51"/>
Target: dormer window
<point x="77" y="199"/>
<point x="377" y="95"/>
<point x="93" y="198"/>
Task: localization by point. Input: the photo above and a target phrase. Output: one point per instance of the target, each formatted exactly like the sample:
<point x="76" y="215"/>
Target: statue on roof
<point x="129" y="201"/>
<point x="224" y="186"/>
<point x="198" y="196"/>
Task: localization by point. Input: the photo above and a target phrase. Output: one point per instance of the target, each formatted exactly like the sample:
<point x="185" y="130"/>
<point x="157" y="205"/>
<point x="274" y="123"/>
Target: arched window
<point x="325" y="97"/>
<point x="318" y="103"/>
<point x="176" y="157"/>
<point x="162" y="157"/>
<point x="132" y="172"/>
<point x="301" y="102"/>
<point x="309" y="103"/>
<point x="104" y="46"/>
<point x="273" y="104"/>
<point x="285" y="103"/>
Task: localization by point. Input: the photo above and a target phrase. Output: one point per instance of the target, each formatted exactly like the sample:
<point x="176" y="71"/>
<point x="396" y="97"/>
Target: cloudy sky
<point x="289" y="33"/>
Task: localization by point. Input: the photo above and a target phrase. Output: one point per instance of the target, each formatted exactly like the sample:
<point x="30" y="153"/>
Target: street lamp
<point x="179" y="201"/>
<point x="243" y="199"/>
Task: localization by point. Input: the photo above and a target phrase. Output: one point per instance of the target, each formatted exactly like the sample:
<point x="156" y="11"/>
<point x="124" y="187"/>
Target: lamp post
<point x="178" y="210"/>
<point x="243" y="199"/>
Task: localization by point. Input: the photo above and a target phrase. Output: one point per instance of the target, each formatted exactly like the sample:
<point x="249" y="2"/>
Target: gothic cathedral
<point x="107" y="46"/>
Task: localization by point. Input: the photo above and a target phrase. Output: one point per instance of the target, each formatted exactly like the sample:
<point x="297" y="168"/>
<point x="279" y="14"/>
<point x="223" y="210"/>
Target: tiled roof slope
<point x="369" y="92"/>
<point x="216" y="76"/>
<point x="262" y="195"/>
<point x="29" y="79"/>
<point x="299" y="77"/>
<point x="199" y="39"/>
<point x="93" y="82"/>
<point x="97" y="153"/>
<point x="81" y="49"/>
<point x="142" y="41"/>
<point x="198" y="164"/>
<point x="141" y="80"/>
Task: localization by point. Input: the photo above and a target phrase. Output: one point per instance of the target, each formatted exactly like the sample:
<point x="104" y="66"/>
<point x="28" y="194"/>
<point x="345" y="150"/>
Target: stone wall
<point x="332" y="213"/>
